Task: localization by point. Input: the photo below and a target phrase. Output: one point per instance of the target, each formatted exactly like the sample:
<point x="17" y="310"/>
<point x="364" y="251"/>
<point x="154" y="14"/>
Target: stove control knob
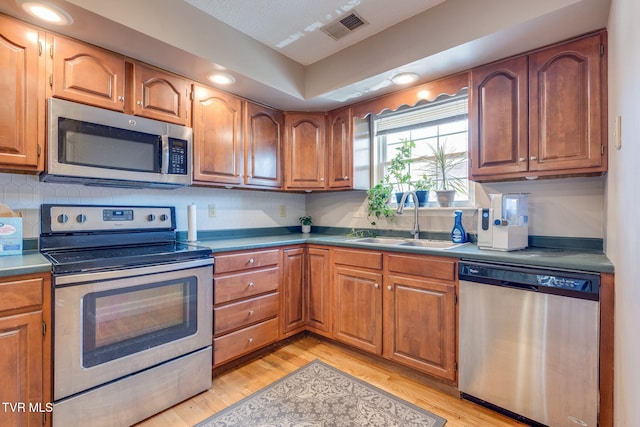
<point x="164" y="217"/>
<point x="151" y="217"/>
<point x="62" y="218"/>
<point x="81" y="218"/>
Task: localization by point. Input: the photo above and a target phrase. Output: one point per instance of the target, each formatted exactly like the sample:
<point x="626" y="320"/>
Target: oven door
<point x="111" y="324"/>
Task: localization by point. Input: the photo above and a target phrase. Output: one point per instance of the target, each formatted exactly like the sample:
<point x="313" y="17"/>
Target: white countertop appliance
<point x="504" y="225"/>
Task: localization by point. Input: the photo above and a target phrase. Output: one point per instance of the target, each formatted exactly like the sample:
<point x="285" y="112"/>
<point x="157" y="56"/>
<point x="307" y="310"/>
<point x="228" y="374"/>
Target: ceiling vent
<point x="341" y="27"/>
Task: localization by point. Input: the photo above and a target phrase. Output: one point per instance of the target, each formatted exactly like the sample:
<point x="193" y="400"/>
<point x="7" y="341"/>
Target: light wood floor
<point x="232" y="386"/>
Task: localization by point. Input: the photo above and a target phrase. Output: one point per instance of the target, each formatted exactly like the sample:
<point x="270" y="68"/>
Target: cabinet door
<point x="217" y="136"/>
<point x="87" y="74"/>
<point x="498" y="118"/>
<point x="566" y="107"/>
<point x="293" y="310"/>
<point x="263" y="142"/>
<point x="318" y="291"/>
<point x="420" y="316"/>
<point x="21" y="353"/>
<point x="340" y="146"/>
<point x="358" y="308"/>
<point x="306" y="151"/>
<point x="159" y="95"/>
<point x="22" y="106"/>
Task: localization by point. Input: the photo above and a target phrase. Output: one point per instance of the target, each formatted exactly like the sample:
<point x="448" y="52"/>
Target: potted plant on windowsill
<point x="398" y="173"/>
<point x="443" y="162"/>
<point x="306" y="222"/>
<point x="422" y="187"/>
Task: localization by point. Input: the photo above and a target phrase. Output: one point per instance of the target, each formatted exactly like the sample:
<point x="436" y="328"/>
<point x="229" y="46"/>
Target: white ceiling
<point x="292" y="27"/>
<point x="432" y="38"/>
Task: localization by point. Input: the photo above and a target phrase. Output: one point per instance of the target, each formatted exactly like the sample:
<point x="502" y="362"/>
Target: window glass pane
<point x="444" y="126"/>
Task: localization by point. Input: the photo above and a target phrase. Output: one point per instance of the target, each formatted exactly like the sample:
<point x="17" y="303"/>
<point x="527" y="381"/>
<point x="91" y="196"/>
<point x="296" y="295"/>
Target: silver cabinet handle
<point x="121" y="98"/>
<point x="389" y="287"/>
<point x="321" y="179"/>
<point x="251" y="260"/>
<point x="377" y="285"/>
<point x="533" y="158"/>
<point x="346" y="178"/>
<point x="139" y="103"/>
<point x="251" y="284"/>
<point x="250" y="340"/>
<point x="522" y="159"/>
<point x="251" y="312"/>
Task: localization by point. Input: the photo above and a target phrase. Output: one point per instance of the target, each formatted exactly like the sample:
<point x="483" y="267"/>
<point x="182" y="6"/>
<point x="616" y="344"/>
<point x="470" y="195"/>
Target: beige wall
<point x="571" y="207"/>
<point x="623" y="204"/>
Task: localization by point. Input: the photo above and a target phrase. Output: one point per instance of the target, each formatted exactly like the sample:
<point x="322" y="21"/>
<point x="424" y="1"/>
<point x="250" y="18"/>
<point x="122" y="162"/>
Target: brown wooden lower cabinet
<point x="293" y="306"/>
<point x="318" y="293"/>
<point x="25" y="350"/>
<point x="246" y="302"/>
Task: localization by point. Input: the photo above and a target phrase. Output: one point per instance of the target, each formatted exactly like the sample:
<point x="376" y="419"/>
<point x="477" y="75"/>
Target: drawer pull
<point x="377" y="285"/>
<point x="251" y="312"/>
<point x="390" y="288"/>
<point x="251" y="260"/>
<point x="250" y="340"/>
<point x="251" y="284"/>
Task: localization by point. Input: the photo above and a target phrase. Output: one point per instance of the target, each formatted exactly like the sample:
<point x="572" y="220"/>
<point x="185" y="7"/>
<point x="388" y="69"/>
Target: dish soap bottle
<point x="458" y="235"/>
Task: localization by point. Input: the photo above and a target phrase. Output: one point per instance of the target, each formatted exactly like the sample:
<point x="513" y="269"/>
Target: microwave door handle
<point x="164" y="167"/>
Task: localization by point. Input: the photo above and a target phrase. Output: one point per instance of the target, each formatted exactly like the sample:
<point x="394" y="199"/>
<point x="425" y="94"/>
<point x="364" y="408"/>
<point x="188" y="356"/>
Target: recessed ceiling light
<point x="404" y="78"/>
<point x="222" y="78"/>
<point x="46" y="12"/>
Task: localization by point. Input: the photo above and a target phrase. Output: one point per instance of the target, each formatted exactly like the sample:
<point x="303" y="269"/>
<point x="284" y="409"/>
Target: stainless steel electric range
<point x="132" y="312"/>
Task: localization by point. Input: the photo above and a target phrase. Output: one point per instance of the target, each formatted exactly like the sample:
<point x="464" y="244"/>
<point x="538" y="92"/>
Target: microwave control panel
<point x="178" y="157"/>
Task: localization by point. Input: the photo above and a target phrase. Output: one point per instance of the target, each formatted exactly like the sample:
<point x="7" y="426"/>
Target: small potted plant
<point x="422" y="186"/>
<point x="398" y="173"/>
<point x="306" y="222"/>
<point x="443" y="161"/>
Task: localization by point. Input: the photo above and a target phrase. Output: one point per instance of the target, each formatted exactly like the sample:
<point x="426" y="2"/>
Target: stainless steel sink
<point x="435" y="244"/>
<point x="380" y="240"/>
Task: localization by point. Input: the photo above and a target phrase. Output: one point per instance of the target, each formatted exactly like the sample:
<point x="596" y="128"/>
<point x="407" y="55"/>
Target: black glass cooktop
<point x="115" y="257"/>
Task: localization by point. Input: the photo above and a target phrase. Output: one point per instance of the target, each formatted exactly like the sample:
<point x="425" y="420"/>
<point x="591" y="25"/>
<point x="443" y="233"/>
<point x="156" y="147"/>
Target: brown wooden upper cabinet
<point x="87" y="74"/>
<point x="263" y="129"/>
<point x="217" y="137"/>
<point x="340" y="148"/>
<point x="541" y="114"/>
<point x="305" y="151"/>
<point x="157" y="94"/>
<point x="22" y="88"/>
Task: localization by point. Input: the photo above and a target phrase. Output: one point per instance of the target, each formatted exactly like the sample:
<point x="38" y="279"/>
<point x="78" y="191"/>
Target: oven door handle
<point x="75" y="279"/>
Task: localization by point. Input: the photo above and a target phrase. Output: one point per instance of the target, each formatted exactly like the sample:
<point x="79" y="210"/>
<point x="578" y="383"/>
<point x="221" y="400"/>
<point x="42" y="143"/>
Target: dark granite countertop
<point x="571" y="259"/>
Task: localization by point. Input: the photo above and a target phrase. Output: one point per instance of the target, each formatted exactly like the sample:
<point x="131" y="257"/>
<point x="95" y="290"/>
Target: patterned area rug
<point x="320" y="395"/>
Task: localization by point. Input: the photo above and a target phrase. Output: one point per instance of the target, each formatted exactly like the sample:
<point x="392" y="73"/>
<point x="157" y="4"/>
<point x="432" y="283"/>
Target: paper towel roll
<point x="192" y="228"/>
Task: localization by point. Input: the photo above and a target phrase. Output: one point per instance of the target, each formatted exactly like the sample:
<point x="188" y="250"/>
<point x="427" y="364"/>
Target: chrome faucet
<point x="416" y="227"/>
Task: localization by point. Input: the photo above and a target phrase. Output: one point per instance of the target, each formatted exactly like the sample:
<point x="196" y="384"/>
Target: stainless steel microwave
<point x="94" y="146"/>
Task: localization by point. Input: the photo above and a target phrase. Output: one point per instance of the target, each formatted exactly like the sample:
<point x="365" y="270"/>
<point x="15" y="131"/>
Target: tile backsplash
<point x="231" y="208"/>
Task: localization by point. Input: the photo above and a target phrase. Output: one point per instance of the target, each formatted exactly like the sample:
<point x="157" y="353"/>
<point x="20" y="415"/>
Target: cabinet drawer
<point x="237" y="315"/>
<point x="433" y="267"/>
<point x="245" y="260"/>
<point x="244" y="341"/>
<point x="21" y="293"/>
<point x="243" y="285"/>
<point x="366" y="259"/>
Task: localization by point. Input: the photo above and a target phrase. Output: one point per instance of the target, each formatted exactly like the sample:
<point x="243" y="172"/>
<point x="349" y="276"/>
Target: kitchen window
<point x="442" y="122"/>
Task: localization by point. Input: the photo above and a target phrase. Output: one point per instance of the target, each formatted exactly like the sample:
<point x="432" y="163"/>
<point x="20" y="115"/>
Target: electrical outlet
<point x="283" y="211"/>
<point x="212" y="211"/>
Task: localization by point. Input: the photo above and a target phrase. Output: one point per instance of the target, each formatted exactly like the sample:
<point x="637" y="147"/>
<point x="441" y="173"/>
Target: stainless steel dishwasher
<point x="528" y="342"/>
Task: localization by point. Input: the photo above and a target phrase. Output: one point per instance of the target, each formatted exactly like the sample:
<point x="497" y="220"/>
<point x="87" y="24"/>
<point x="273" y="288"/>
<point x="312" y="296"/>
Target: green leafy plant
<point x="426" y="182"/>
<point x="305" y="220"/>
<point x="399" y="171"/>
<point x="378" y="202"/>
<point x="443" y="161"/>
